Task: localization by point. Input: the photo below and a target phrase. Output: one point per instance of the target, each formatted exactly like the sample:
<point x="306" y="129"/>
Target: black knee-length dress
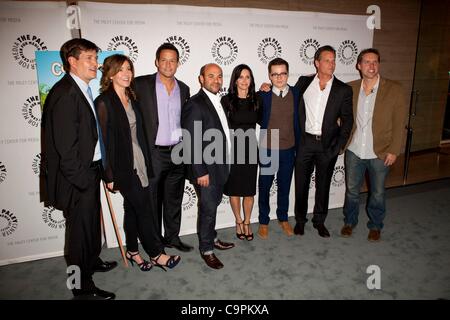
<point x="242" y="115"/>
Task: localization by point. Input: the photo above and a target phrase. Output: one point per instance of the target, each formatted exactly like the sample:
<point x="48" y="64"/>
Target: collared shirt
<point x="215" y="99"/>
<point x="84" y="88"/>
<point x="362" y="141"/>
<point x="315" y="104"/>
<point x="169" y="114"/>
<point x="277" y="91"/>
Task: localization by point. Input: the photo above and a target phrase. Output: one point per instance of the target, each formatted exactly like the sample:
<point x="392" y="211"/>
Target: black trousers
<point x="140" y="219"/>
<point x="83" y="231"/>
<point x="310" y="155"/>
<point x="209" y="199"/>
<point x="167" y="187"/>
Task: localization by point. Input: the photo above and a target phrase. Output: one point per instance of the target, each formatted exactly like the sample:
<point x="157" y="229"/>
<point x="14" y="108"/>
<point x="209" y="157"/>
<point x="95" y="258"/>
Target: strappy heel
<point x="144" y="265"/>
<point x="248" y="237"/>
<point x="170" y="263"/>
<point x="240" y="235"/>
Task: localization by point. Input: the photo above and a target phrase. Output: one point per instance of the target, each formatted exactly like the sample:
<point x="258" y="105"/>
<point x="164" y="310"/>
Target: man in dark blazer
<point x="279" y="111"/>
<point x="72" y="160"/>
<point x="162" y="98"/>
<point x="203" y="116"/>
<point x="326" y="120"/>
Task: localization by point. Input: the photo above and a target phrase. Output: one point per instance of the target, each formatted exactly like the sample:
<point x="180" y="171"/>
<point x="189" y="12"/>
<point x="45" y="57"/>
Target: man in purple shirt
<point x="161" y="97"/>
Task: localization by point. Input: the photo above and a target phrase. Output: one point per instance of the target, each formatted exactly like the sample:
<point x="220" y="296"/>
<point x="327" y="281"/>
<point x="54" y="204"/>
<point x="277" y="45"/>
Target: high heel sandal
<point x="170" y="263"/>
<point x="240" y="235"/>
<point x="249" y="237"/>
<point x="144" y="265"/>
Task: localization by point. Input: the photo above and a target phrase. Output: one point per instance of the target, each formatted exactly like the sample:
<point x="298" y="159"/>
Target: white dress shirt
<point x="215" y="99"/>
<point x="362" y="140"/>
<point x="277" y="91"/>
<point x="315" y="104"/>
<point x="84" y="88"/>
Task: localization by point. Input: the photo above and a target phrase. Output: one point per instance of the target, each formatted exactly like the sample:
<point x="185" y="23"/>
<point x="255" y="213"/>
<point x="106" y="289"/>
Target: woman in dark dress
<point x="241" y="106"/>
<point x="128" y="165"/>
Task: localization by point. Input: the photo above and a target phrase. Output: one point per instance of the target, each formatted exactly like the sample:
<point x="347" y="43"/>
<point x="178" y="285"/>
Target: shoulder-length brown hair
<point x="111" y="66"/>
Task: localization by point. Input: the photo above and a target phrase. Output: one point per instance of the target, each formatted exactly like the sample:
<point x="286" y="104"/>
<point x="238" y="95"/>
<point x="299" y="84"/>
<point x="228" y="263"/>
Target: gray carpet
<point x="413" y="257"/>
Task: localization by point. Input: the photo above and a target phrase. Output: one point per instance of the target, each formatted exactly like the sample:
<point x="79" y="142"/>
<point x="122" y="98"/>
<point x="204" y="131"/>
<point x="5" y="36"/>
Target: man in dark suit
<point x="326" y="120"/>
<point x="203" y="116"/>
<point x="72" y="163"/>
<point x="162" y="98"/>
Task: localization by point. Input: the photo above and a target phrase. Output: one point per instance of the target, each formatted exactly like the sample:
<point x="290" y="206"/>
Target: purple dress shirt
<point x="169" y="114"/>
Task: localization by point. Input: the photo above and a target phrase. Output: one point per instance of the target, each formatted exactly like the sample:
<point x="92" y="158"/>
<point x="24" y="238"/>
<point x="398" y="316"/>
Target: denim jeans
<point x="355" y="169"/>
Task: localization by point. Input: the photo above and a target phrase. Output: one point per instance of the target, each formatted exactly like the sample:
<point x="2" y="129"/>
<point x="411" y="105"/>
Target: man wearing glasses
<point x="280" y="134"/>
<point x="326" y="120"/>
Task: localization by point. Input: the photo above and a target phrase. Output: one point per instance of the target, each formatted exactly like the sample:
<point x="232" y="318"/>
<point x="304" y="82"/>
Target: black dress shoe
<point x="212" y="261"/>
<point x="180" y="246"/>
<point x="323" y="231"/>
<point x="220" y="245"/>
<point x="95" y="294"/>
<point x="105" y="266"/>
<point x="299" y="229"/>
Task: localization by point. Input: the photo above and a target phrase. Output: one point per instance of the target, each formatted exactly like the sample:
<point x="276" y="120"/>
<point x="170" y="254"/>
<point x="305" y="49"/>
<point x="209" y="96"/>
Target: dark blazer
<point x="116" y="135"/>
<point x="199" y="108"/>
<point x="146" y="95"/>
<point x="338" y="117"/>
<point x="267" y="108"/>
<point x="69" y="136"/>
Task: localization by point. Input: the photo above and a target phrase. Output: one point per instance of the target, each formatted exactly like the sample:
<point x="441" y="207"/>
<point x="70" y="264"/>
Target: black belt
<point x="96" y="164"/>
<point x="313" y="136"/>
<point x="166" y="148"/>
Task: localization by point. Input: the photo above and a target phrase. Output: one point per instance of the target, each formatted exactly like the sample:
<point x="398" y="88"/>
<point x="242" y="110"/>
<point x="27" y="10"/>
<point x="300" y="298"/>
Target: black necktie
<point x="281" y="94"/>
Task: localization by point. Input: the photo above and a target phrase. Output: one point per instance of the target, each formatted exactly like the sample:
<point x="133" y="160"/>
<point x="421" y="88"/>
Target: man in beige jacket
<point x="380" y="112"/>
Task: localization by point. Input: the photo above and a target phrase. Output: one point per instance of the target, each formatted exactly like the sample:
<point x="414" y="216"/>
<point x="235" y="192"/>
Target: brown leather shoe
<point x="287" y="229"/>
<point x="346" y="231"/>
<point x="212" y="261"/>
<point x="220" y="245"/>
<point x="374" y="235"/>
<point x="263" y="231"/>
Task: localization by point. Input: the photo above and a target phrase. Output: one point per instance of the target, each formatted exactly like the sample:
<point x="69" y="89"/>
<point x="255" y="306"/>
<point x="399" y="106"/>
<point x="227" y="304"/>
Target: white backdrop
<point x="228" y="37"/>
<point x="28" y="231"/>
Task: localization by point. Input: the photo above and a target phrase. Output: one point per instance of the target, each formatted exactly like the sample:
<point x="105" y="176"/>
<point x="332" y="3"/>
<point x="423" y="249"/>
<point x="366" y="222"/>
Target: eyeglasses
<point x="276" y="75"/>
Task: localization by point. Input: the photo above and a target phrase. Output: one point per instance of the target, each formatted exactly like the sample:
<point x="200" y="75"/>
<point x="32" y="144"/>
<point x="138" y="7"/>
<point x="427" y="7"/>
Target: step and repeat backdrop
<point x="28" y="230"/>
<point x="226" y="36"/>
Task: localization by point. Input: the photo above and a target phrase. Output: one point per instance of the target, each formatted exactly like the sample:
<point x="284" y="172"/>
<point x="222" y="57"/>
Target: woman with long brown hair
<point x="128" y="165"/>
<point x="242" y="108"/>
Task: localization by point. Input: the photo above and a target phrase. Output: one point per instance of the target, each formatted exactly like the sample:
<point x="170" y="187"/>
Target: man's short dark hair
<point x="365" y="51"/>
<point x="322" y="49"/>
<point x="202" y="70"/>
<point x="167" y="46"/>
<point x="278" y="62"/>
<point x="73" y="48"/>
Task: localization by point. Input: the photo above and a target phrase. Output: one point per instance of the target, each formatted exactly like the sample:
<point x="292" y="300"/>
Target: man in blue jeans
<point x="380" y="113"/>
<point x="279" y="119"/>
